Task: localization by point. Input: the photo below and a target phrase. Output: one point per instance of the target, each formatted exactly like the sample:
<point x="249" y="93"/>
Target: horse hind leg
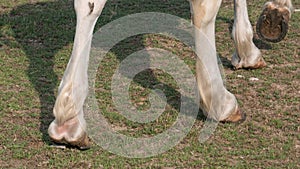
<point x="246" y="55"/>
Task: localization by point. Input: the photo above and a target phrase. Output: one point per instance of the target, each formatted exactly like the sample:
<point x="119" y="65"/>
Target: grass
<point x="35" y="43"/>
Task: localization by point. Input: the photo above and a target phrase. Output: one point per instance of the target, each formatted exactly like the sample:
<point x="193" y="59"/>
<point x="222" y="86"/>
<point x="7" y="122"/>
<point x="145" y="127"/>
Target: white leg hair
<point x="73" y="88"/>
<point x="287" y="3"/>
<point x="247" y="55"/>
<point x="217" y="101"/>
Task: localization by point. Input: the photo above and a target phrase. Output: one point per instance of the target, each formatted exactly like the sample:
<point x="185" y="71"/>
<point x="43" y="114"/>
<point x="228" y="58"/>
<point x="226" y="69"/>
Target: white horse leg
<point x="69" y="124"/>
<point x="247" y="55"/>
<point x="273" y="22"/>
<point x="219" y="103"/>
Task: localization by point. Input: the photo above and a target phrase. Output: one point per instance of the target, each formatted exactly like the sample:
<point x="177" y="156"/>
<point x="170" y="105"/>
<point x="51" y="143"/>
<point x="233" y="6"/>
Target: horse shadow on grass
<point x="42" y="29"/>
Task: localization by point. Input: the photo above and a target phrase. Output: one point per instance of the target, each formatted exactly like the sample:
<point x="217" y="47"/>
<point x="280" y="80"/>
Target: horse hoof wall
<point x="237" y="117"/>
<point x="83" y="143"/>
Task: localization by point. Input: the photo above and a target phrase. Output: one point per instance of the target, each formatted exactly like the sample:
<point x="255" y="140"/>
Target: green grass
<point x="35" y="43"/>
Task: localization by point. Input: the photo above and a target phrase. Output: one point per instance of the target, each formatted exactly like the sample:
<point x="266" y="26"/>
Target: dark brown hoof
<point x="237" y="117"/>
<point x="83" y="143"/>
<point x="273" y="23"/>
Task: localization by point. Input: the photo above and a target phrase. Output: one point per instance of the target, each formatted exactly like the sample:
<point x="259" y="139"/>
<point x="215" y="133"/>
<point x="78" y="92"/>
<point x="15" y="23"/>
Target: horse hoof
<point x="272" y="25"/>
<point x="82" y="143"/>
<point x="260" y="64"/>
<point x="237" y="117"/>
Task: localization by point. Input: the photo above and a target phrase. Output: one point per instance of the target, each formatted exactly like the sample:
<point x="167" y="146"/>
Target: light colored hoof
<point x="273" y="23"/>
<point x="82" y="143"/>
<point x="258" y="65"/>
<point x="236" y="117"/>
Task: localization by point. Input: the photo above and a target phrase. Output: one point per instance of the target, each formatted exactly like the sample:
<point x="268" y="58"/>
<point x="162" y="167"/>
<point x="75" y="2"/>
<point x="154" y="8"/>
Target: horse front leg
<point x="272" y="24"/>
<point x="69" y="125"/>
<point x="218" y="103"/>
